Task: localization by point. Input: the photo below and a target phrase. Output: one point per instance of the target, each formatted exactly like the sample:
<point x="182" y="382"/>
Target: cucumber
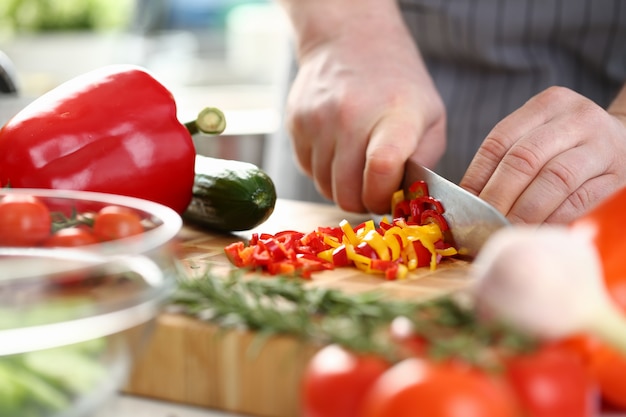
<point x="230" y="195"/>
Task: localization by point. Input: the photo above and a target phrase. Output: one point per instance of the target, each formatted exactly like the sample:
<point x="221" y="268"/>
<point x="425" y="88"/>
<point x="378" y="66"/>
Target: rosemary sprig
<point x="360" y="322"/>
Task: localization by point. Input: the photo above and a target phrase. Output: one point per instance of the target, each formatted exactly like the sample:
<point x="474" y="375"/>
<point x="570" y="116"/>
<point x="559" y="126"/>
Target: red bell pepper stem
<point x="210" y="121"/>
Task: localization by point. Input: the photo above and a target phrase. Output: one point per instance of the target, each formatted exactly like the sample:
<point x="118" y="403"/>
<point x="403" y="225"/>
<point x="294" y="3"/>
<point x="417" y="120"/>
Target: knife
<point x="471" y="219"/>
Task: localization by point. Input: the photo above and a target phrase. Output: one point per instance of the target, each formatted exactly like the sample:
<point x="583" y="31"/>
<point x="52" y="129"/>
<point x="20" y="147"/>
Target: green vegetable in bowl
<point x="45" y="382"/>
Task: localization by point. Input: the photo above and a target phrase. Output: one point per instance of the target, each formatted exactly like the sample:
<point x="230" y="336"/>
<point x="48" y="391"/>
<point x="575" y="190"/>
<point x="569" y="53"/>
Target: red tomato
<point x="114" y="222"/>
<point x="336" y="380"/>
<point x="420" y="388"/>
<point x="24" y="221"/>
<point x="553" y="382"/>
<point x="606" y="223"/>
<point x="408" y="342"/>
<point x="71" y="236"/>
<point x="606" y="365"/>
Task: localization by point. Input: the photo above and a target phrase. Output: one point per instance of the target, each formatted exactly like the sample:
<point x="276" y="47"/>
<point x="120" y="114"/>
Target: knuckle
<point x="581" y="199"/>
<point x="383" y="160"/>
<point x="493" y="147"/>
<point x="553" y="96"/>
<point x="522" y="159"/>
<point x="560" y="176"/>
<point x="574" y="206"/>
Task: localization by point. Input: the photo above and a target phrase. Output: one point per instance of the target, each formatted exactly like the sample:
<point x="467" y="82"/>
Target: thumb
<point x="392" y="142"/>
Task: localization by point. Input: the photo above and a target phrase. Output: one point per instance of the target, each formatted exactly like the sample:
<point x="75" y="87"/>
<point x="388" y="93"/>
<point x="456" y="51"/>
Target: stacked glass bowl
<point x="73" y="318"/>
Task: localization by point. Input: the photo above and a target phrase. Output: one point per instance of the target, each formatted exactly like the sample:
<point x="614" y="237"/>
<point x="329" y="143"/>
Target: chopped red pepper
<point x="418" y="189"/>
<point x="402" y="210"/>
<point x="415" y="239"/>
<point x="433" y="216"/>
<point x="340" y="256"/>
<point x="233" y="253"/>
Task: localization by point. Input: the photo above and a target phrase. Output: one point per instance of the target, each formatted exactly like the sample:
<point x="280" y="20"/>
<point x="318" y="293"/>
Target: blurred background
<point x="231" y="54"/>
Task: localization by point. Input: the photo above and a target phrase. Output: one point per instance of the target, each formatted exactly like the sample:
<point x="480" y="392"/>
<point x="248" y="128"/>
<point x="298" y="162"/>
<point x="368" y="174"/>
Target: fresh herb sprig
<point x="449" y="326"/>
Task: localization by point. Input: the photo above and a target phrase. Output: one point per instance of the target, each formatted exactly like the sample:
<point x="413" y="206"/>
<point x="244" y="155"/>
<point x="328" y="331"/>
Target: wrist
<point x="317" y="22"/>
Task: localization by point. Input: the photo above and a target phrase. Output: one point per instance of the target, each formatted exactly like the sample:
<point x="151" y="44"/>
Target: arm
<point x="362" y="102"/>
<point x="553" y="159"/>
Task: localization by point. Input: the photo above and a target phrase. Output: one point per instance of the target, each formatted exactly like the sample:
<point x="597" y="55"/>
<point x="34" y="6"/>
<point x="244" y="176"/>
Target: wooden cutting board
<point x="192" y="362"/>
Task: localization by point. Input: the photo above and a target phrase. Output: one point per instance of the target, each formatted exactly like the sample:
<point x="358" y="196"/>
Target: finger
<point x="323" y="152"/>
<point x="300" y="141"/>
<point x="521" y="165"/>
<point x="591" y="193"/>
<point x="312" y="138"/>
<point x="567" y="132"/>
<point x="393" y="141"/>
<point x="536" y="112"/>
<point x="577" y="179"/>
<point x="347" y="171"/>
<point x="558" y="181"/>
<point x="386" y="154"/>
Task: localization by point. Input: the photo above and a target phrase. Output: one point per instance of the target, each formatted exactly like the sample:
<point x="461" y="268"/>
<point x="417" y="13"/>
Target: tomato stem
<point x="210" y="121"/>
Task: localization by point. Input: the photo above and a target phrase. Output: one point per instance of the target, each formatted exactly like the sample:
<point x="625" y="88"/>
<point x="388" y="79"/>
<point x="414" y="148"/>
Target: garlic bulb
<point x="547" y="281"/>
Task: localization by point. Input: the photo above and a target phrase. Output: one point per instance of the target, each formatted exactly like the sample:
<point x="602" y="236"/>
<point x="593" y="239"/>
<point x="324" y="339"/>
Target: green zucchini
<point x="230" y="195"/>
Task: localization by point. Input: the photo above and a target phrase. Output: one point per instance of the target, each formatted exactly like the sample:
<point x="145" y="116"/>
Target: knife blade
<point x="471" y="219"/>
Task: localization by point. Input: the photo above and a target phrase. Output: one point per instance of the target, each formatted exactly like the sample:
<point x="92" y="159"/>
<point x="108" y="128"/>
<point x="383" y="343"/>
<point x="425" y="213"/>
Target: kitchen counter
<point x="131" y="406"/>
<point x="128" y="406"/>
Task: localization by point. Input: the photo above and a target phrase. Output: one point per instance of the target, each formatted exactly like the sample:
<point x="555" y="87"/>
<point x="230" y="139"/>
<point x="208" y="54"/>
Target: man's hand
<point x="361" y="105"/>
<point x="552" y="159"/>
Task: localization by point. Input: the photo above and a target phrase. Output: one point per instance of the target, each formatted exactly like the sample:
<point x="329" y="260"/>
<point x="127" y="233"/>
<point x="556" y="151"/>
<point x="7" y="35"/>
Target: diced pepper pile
<point x="416" y="237"/>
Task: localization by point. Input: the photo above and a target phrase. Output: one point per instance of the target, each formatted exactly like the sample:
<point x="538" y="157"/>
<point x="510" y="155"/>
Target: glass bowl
<point x="73" y="318"/>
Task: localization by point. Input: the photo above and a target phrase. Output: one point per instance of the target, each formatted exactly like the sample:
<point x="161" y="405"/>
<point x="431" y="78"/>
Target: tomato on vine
<point x="416" y="387"/>
<point x="606" y="365"/>
<point x="24" y="220"/>
<point x="115" y="222"/>
<point x="553" y="381"/>
<point x="70" y="237"/>
<point x="335" y="381"/>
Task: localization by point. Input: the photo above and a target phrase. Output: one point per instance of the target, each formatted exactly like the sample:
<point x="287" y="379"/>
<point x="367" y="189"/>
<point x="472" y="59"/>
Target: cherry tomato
<point x="553" y="381"/>
<point x="408" y="343"/>
<point x="336" y="380"/>
<point x="420" y="388"/>
<point x="606" y="365"/>
<point x="24" y="221"/>
<point x="606" y="224"/>
<point x="114" y="222"/>
<point x="609" y="368"/>
<point x="71" y="236"/>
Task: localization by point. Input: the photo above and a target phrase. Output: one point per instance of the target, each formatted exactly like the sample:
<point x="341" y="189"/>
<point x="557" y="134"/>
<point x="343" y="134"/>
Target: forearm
<point x="318" y="21"/>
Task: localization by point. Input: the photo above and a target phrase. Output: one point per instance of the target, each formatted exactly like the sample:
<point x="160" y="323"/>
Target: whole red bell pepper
<point x="112" y="130"/>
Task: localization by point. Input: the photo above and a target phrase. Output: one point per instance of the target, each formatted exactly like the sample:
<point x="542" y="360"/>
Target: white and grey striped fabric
<point x="487" y="57"/>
